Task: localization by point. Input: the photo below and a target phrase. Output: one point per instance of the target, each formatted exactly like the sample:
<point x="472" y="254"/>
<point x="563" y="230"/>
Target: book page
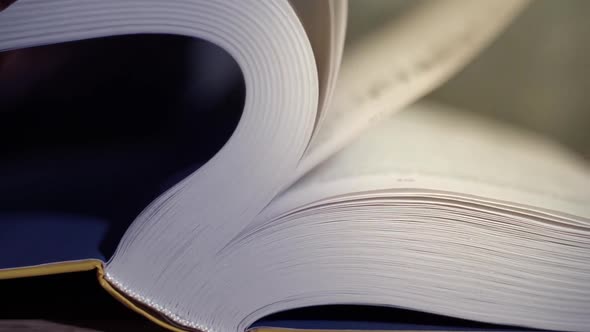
<point x="401" y="62"/>
<point x="325" y="25"/>
<point x="433" y="149"/>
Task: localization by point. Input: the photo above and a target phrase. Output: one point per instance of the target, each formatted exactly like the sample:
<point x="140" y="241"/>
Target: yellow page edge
<point x="82" y="266"/>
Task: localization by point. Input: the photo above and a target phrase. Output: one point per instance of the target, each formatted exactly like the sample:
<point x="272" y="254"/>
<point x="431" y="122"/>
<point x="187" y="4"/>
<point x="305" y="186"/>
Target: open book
<point x="320" y="196"/>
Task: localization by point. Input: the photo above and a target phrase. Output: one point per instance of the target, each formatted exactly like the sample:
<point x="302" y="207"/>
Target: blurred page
<point x="325" y="25"/>
<point x="401" y="62"/>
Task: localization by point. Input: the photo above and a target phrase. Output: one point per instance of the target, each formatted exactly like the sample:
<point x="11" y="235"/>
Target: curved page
<point x="401" y="62"/>
<point x="325" y="24"/>
<point x="269" y="43"/>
